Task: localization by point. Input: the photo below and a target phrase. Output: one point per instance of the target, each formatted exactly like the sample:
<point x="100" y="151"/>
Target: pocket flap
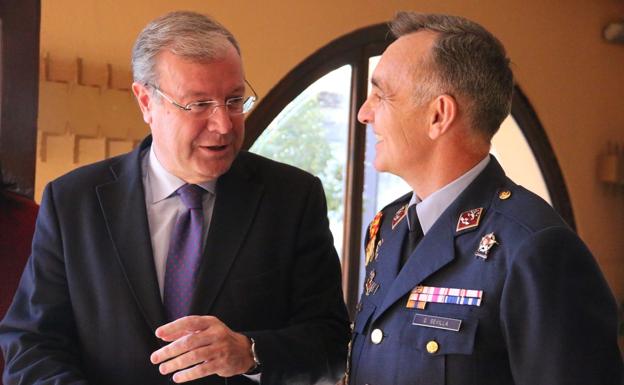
<point x="435" y="341"/>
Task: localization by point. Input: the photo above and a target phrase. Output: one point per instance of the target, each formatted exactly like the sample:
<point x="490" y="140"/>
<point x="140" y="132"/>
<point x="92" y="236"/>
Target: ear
<point x="443" y="113"/>
<point x="144" y="98"/>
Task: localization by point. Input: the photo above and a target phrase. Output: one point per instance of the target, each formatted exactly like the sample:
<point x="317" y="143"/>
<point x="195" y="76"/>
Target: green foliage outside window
<point x="300" y="139"/>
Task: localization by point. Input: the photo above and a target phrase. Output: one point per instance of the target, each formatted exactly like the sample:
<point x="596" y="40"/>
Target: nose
<point x="220" y="120"/>
<point x="365" y="114"/>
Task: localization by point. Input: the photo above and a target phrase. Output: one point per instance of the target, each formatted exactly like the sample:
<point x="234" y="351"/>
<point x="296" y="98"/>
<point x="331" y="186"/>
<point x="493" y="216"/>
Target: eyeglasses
<point x="205" y="108"/>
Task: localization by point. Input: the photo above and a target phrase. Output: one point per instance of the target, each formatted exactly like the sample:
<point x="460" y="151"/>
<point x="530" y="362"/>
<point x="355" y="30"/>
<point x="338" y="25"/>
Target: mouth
<point x="215" y="148"/>
<point x="379" y="138"/>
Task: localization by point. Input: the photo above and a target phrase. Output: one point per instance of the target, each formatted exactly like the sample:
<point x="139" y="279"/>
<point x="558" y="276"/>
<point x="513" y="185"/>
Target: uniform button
<point x="504" y="194"/>
<point x="432" y="347"/>
<point x="376" y="336"/>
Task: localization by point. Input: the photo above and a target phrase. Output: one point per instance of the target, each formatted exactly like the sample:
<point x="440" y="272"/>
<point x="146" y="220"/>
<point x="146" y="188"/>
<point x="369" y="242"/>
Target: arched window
<point x="310" y="120"/>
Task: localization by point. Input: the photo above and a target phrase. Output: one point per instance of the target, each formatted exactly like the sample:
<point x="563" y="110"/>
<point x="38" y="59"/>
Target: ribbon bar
<point x="430" y="294"/>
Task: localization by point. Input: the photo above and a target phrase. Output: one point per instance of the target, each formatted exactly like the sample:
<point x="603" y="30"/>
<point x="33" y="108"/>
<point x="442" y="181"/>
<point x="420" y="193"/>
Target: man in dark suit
<point x="470" y="279"/>
<point x="185" y="259"/>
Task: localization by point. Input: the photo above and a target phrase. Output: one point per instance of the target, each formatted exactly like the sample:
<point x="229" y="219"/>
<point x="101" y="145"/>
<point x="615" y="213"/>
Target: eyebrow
<point x="201" y="96"/>
<point x="377" y="83"/>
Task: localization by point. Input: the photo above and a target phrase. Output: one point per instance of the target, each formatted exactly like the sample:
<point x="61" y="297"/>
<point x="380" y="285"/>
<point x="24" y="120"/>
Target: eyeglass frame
<point x="248" y="102"/>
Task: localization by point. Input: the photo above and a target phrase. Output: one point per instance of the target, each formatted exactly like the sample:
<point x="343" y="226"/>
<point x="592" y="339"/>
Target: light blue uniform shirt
<point x="430" y="209"/>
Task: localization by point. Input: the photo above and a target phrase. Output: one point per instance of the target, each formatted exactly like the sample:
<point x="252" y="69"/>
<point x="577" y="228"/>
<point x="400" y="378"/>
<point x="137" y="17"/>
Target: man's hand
<point x="201" y="346"/>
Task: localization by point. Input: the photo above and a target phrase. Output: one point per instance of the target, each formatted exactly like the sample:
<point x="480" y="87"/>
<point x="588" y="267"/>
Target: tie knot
<point x="191" y="195"/>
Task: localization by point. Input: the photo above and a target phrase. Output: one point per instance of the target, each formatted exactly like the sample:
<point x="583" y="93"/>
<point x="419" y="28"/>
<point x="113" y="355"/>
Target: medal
<point x="370" y="287"/>
<point x="487" y="242"/>
<point x="373" y="229"/>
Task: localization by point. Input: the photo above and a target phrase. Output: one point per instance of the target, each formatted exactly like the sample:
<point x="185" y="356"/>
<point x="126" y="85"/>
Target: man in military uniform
<point x="470" y="279"/>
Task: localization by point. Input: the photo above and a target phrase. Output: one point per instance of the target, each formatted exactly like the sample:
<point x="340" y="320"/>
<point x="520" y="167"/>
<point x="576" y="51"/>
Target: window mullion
<point x="354" y="184"/>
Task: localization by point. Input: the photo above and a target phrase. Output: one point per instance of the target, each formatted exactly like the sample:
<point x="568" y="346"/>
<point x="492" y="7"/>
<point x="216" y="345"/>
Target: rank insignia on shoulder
<point x="400" y="214"/>
<point x="469" y="219"/>
<point x="487" y="242"/>
<point x="370" y="287"/>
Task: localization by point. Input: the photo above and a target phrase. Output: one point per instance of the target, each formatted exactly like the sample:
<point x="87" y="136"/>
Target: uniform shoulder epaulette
<point x="525" y="207"/>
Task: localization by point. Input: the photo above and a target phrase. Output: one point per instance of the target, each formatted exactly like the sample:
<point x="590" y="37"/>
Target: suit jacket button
<point x="376" y="336"/>
<point x="432" y="347"/>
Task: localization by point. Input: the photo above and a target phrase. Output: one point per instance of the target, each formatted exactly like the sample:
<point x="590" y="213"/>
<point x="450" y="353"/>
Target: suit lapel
<point x="123" y="206"/>
<point x="237" y="199"/>
<point x="437" y="248"/>
<point x="387" y="265"/>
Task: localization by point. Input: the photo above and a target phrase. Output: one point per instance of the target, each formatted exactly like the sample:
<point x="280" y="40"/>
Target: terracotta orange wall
<point x="573" y="79"/>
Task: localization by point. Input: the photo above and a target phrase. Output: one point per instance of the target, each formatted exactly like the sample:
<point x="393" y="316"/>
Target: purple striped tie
<point x="185" y="251"/>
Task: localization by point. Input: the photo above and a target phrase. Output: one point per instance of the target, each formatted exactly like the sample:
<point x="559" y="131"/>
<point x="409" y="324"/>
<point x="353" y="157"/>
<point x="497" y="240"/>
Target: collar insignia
<point x="400" y="214"/>
<point x="469" y="219"/>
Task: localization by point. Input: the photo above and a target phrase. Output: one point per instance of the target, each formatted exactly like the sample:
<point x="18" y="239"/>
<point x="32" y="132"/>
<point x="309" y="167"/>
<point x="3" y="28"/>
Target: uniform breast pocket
<point x="432" y="344"/>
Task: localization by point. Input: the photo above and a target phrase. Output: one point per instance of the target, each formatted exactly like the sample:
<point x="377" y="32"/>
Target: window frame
<point x="355" y="49"/>
<point x="19" y="92"/>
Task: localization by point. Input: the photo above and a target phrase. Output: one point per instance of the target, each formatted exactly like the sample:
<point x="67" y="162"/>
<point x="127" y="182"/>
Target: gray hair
<point x="466" y="60"/>
<point x="187" y="34"/>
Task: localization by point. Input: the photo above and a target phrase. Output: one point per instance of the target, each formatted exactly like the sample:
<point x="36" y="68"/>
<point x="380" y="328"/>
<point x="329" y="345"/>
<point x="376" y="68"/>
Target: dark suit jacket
<point x="546" y="317"/>
<point x="88" y="303"/>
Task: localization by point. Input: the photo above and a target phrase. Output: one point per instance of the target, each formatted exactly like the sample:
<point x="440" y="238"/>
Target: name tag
<point x="436" y="322"/>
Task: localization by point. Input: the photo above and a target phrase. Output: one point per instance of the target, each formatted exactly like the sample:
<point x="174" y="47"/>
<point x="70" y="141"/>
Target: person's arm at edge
<point x="37" y="334"/>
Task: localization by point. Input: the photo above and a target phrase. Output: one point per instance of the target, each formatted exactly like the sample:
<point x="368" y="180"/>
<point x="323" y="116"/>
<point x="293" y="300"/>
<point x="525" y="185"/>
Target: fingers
<point x="200" y="346"/>
<point x="185" y="325"/>
<point x="201" y="370"/>
<point x="186" y="360"/>
<point x="190" y="374"/>
<point x="201" y="363"/>
<point x="182" y="345"/>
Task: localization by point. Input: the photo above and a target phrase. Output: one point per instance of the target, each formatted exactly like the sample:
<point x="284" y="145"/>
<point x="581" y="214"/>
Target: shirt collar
<point x="432" y="207"/>
<point x="162" y="183"/>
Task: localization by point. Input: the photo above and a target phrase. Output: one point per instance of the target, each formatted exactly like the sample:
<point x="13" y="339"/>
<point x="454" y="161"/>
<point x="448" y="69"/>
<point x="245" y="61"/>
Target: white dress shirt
<point x="164" y="206"/>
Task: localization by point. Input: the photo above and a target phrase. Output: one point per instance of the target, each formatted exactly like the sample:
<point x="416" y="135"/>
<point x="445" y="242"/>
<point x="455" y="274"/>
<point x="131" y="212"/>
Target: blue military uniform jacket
<point x="536" y="309"/>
